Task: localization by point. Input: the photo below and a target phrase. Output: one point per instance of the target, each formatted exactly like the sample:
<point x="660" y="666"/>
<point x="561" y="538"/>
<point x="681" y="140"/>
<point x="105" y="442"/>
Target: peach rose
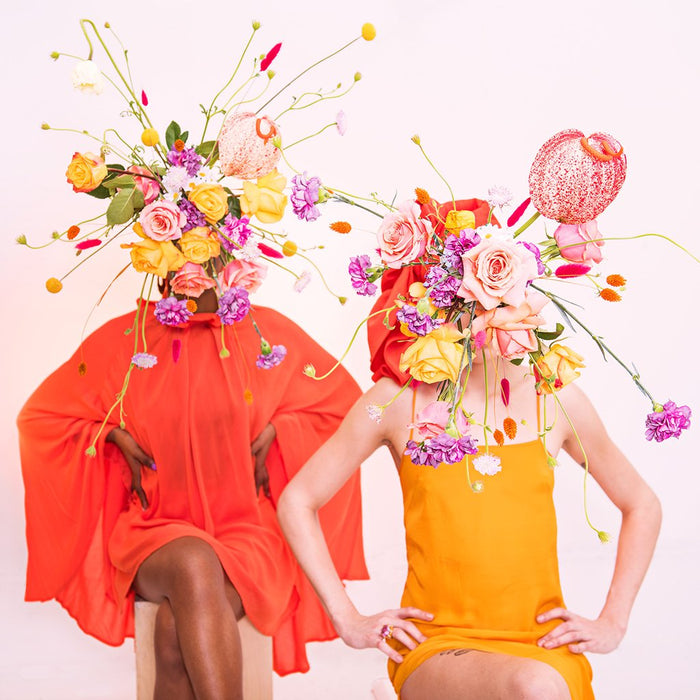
<point x="154" y="257"/>
<point x="86" y="172"/>
<point x="191" y="280"/>
<point x="198" y="244"/>
<point x="497" y="270"/>
<point x="211" y="199"/>
<point x="162" y="221"/>
<point x="557" y="368"/>
<point x="402" y="235"/>
<point x="148" y="186"/>
<point x="434" y="418"/>
<point x="265" y="199"/>
<point x="512" y="326"/>
<point x="434" y="357"/>
<point x="248" y="274"/>
<point x="587" y="235"/>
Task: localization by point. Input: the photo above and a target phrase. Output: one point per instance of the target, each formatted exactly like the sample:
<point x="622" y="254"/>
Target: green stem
<point x="345" y="200"/>
<point x="440" y="175"/>
<point x="631" y="238"/>
<point x="527" y="224"/>
<point x="310" y="136"/>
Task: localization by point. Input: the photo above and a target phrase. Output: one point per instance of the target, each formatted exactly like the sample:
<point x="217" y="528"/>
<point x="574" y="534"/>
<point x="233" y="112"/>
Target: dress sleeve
<point x="72" y="500"/>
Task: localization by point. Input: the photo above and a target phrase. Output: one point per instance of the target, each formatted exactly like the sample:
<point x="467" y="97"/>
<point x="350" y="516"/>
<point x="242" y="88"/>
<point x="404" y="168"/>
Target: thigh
<point x="467" y="674"/>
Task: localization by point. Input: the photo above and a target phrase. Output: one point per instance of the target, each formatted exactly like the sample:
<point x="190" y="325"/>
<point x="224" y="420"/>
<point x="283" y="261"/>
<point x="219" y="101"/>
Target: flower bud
<point x="309" y="370"/>
<point x="357" y="76"/>
<point x="416" y="139"/>
<point x="256" y="25"/>
<point x="21" y="239"/>
<point x="271" y="74"/>
<point x="368" y="31"/>
<point x="54" y="55"/>
<point x="45" y="126"/>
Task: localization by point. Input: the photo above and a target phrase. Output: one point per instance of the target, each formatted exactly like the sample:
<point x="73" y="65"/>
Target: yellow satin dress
<point x="485" y="564"/>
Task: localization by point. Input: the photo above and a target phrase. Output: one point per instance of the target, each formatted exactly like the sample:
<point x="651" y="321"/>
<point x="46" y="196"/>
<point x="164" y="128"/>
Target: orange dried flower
<point x="510" y="427"/>
<point x="498" y="437"/>
<point x="341" y="227"/>
<point x="82" y="369"/>
<point x="610" y="295"/>
<point x="616" y="280"/>
<point x="422" y="197"/>
<point x="191" y="305"/>
<point x="179" y="145"/>
<point x="73" y="231"/>
<point x="248" y="396"/>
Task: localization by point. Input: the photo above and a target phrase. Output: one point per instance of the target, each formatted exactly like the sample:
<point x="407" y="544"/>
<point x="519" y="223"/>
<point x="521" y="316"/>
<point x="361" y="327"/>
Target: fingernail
<point x="153" y="466"/>
<point x="431" y="616"/>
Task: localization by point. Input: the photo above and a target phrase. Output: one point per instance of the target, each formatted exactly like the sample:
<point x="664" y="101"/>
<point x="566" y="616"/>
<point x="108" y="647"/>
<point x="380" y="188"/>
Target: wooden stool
<point x="257" y="656"/>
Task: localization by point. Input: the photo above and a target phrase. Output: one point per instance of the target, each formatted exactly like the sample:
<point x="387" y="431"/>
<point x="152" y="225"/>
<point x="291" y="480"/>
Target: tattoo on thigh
<point x="455" y="652"/>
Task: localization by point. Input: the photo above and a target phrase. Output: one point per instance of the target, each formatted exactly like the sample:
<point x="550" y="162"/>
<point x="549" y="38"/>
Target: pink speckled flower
<point x="162" y="221"/>
<point x="402" y="235"/>
<point x="246" y="150"/>
<point x="497" y="270"/>
<point x="191" y="280"/>
<point x="574" y="178"/>
<point x="148" y="186"/>
<point x="587" y="235"/>
<point x="248" y="274"/>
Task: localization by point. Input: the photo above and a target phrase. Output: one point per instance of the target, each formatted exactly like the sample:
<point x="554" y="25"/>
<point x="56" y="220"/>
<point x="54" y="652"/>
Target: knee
<point x="538" y="681"/>
<point x="165" y="641"/>
<point x="198" y="573"/>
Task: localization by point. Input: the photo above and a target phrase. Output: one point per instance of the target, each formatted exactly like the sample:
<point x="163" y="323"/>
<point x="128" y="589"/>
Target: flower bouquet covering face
<point x="458" y="283"/>
<point x="194" y="214"/>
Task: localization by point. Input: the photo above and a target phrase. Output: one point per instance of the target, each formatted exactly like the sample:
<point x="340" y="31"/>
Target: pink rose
<point x="402" y="235"/>
<point x="148" y="186"/>
<point x="432" y="420"/>
<point x="587" y="235"/>
<point x="512" y="326"/>
<point x="191" y="280"/>
<point x="162" y="221"/>
<point x="248" y="274"/>
<point x="495" y="271"/>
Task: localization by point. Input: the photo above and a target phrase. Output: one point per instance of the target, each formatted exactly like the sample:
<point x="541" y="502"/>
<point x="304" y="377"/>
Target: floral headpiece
<point x="195" y="214"/>
<point x="454" y="282"/>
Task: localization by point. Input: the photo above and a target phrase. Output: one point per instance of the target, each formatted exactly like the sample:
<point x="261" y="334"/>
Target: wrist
<point x="615" y="619"/>
<point x="342" y="619"/>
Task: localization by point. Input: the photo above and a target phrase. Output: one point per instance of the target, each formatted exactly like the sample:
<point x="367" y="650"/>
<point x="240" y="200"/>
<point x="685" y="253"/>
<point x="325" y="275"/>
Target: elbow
<point x="291" y="503"/>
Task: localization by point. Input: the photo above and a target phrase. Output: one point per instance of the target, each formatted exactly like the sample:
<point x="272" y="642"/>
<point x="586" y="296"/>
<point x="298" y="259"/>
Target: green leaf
<point x="204" y="149"/>
<point x="214" y="155"/>
<point x="234" y="206"/>
<point x="120" y="181"/>
<point x="121" y="208"/>
<point x="100" y="192"/>
<point x="517" y="361"/>
<point x="184" y="135"/>
<point x="172" y="134"/>
<point x="551" y="335"/>
<point x="115" y="166"/>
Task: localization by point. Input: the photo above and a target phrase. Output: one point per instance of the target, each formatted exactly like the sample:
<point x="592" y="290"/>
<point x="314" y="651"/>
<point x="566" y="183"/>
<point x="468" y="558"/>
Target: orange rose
<point x="434" y="357"/>
<point x="198" y="245"/>
<point x="557" y="368"/>
<point x="265" y="198"/>
<point x="86" y="172"/>
<point x="154" y="257"/>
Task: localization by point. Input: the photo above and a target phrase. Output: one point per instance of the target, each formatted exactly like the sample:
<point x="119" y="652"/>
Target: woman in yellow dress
<point x="482" y="612"/>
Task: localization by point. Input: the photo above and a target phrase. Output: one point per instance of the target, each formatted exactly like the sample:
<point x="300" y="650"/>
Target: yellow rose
<point x="557" y="368"/>
<point x="455" y="221"/>
<point x="265" y="199"/>
<point x="198" y="245"/>
<point x="154" y="257"/>
<point x="211" y="200"/>
<point x="434" y="357"/>
<point x="86" y="172"/>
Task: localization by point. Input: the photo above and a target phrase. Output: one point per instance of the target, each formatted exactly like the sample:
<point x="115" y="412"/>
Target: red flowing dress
<point x="87" y="534"/>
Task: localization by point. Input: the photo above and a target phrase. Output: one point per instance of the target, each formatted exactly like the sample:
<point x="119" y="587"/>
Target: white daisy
<point x="487" y="464"/>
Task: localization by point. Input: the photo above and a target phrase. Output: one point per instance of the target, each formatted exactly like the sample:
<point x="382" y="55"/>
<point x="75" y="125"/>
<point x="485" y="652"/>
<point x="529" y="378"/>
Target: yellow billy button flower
<point x="558" y="367"/>
<point x="54" y="285"/>
<point x="149" y="137"/>
<point x="265" y="198"/>
<point x="289" y="248"/>
<point x="434" y="357"/>
<point x="368" y="31"/>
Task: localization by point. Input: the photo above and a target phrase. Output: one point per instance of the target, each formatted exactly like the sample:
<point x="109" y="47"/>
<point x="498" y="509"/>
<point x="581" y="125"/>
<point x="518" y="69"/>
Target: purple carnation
<point x="443" y="449"/>
<point x="233" y="305"/>
<point x="187" y="158"/>
<point x="442" y="286"/>
<point x="536" y="252"/>
<point x="172" y="311"/>
<point x="273" y="358"/>
<point x="304" y="197"/>
<point x="456" y="246"/>
<point x="144" y="360"/>
<point x="358" y="275"/>
<point x="667" y="422"/>
<point x="236" y="233"/>
<point x="195" y="218"/>
<point x="418" y="323"/>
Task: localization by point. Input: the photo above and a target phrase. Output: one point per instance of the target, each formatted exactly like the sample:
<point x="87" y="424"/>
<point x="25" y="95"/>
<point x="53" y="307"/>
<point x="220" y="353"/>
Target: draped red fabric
<point x="387" y="344"/>
<point x="87" y="536"/>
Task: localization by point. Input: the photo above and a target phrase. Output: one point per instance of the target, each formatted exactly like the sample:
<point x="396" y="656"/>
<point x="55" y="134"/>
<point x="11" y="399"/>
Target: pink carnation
<point x="148" y="186"/>
<point x="191" y="280"/>
<point x="496" y="271"/>
<point x="403" y="236"/>
<point x="587" y="235"/>
<point x="248" y="274"/>
<point x="162" y="221"/>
